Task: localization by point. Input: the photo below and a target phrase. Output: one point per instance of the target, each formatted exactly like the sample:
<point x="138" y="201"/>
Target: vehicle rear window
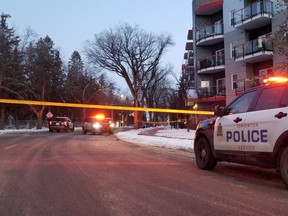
<point x="270" y="98"/>
<point x="59" y="119"/>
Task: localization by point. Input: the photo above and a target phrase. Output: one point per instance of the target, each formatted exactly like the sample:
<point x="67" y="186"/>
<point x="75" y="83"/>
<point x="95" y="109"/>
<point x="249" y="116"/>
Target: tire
<point x="72" y="129"/>
<point x="284" y="166"/>
<point x="203" y="155"/>
<point x="50" y="130"/>
<point x="84" y="131"/>
<point x="67" y="129"/>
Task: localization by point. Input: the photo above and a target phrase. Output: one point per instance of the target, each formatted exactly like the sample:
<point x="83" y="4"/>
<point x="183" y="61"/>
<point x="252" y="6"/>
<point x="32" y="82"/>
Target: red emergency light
<point x="277" y="79"/>
<point x="99" y="116"/>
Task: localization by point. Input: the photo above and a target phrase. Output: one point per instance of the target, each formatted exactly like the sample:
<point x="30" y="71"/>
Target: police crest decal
<point x="219" y="130"/>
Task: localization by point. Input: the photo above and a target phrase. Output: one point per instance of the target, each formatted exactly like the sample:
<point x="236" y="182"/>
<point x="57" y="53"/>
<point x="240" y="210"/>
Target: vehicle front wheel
<point x="84" y="131"/>
<point x="203" y="154"/>
<point x="284" y="166"/>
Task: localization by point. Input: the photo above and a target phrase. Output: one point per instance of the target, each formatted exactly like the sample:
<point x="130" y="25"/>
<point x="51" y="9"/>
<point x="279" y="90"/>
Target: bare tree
<point x="154" y="88"/>
<point x="29" y="37"/>
<point x="280" y="42"/>
<point x="129" y="52"/>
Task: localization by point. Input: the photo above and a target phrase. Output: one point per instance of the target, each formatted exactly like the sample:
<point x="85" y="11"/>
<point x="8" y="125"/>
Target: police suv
<point x="252" y="130"/>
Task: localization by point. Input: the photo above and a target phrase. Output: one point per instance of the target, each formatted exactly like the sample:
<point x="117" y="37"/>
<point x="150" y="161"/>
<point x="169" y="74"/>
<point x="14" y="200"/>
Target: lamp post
<point x="83" y="100"/>
<point x="195" y="107"/>
<point x="122" y="116"/>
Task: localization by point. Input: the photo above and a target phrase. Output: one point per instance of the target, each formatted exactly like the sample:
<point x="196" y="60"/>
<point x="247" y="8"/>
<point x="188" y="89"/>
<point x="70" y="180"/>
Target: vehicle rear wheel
<point x="72" y="129"/>
<point x="284" y="166"/>
<point x="203" y="154"/>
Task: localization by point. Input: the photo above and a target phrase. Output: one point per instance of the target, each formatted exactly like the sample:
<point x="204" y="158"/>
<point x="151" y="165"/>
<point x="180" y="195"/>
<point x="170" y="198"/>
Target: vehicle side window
<point x="242" y="103"/>
<point x="270" y="98"/>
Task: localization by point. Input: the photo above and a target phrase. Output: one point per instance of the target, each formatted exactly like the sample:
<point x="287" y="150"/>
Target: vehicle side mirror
<point x="220" y="111"/>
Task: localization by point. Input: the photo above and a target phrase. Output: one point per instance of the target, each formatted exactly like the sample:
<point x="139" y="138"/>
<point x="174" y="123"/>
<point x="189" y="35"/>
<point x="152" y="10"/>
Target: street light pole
<point x="83" y="100"/>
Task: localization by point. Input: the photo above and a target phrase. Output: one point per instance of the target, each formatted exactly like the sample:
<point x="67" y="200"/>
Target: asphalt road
<point x="73" y="174"/>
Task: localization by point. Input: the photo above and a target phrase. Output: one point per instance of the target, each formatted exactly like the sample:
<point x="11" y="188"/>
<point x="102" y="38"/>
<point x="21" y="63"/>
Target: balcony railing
<point x="210" y="32"/>
<point x="212" y="91"/>
<point x="212" y="61"/>
<point x="244" y="84"/>
<point x="262" y="44"/>
<point x="253" y="10"/>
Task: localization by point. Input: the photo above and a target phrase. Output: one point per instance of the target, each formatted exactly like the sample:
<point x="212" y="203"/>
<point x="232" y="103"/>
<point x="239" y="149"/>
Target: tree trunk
<point x="136" y="104"/>
<point x="39" y="120"/>
<point x="136" y="126"/>
<point x="140" y="117"/>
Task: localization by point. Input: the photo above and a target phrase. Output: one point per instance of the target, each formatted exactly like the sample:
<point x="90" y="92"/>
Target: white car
<point x="252" y="129"/>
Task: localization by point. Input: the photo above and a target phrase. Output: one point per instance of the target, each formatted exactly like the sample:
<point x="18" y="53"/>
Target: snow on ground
<point x="161" y="137"/>
<point x="164" y="137"/>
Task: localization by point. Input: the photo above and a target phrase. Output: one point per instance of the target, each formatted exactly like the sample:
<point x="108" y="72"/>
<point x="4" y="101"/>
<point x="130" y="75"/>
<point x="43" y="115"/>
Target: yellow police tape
<point x="92" y="106"/>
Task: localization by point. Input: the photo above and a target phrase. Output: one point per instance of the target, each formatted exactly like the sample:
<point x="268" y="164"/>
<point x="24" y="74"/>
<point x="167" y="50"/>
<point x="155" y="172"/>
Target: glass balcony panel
<point x="262" y="44"/>
<point x="212" y="91"/>
<point x="257" y="8"/>
<point x="212" y="61"/>
<point x="210" y="31"/>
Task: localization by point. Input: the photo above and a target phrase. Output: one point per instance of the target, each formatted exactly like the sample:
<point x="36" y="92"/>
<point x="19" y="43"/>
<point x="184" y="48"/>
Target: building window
<point x="232" y="49"/>
<point x="220" y="87"/>
<point x="219" y="54"/>
<point x="265" y="73"/>
<point x="234" y="79"/>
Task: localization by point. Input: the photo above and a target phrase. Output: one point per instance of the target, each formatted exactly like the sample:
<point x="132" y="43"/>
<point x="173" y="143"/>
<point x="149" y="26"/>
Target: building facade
<point x="231" y="49"/>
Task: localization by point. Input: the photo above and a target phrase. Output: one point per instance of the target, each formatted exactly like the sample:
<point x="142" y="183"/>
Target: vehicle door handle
<point x="237" y="120"/>
<point x="280" y="115"/>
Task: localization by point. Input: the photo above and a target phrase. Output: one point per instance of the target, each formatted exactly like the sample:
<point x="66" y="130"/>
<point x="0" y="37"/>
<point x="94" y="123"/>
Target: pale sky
<point x="69" y="23"/>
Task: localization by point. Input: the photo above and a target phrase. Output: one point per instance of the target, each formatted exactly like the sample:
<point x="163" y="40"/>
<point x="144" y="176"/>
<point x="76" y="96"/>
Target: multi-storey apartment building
<point x="231" y="48"/>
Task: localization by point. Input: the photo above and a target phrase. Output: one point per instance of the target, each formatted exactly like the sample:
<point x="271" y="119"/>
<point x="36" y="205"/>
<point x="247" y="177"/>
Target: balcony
<point x="189" y="69"/>
<point x="189" y="84"/>
<point x="253" y="16"/>
<point x="212" y="91"/>
<point x="254" y="51"/>
<point x="212" y="64"/>
<point x="210" y="35"/>
<point x="210" y="8"/>
<point x="190" y="35"/>
<point x="209" y="94"/>
<point x="189" y="46"/>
